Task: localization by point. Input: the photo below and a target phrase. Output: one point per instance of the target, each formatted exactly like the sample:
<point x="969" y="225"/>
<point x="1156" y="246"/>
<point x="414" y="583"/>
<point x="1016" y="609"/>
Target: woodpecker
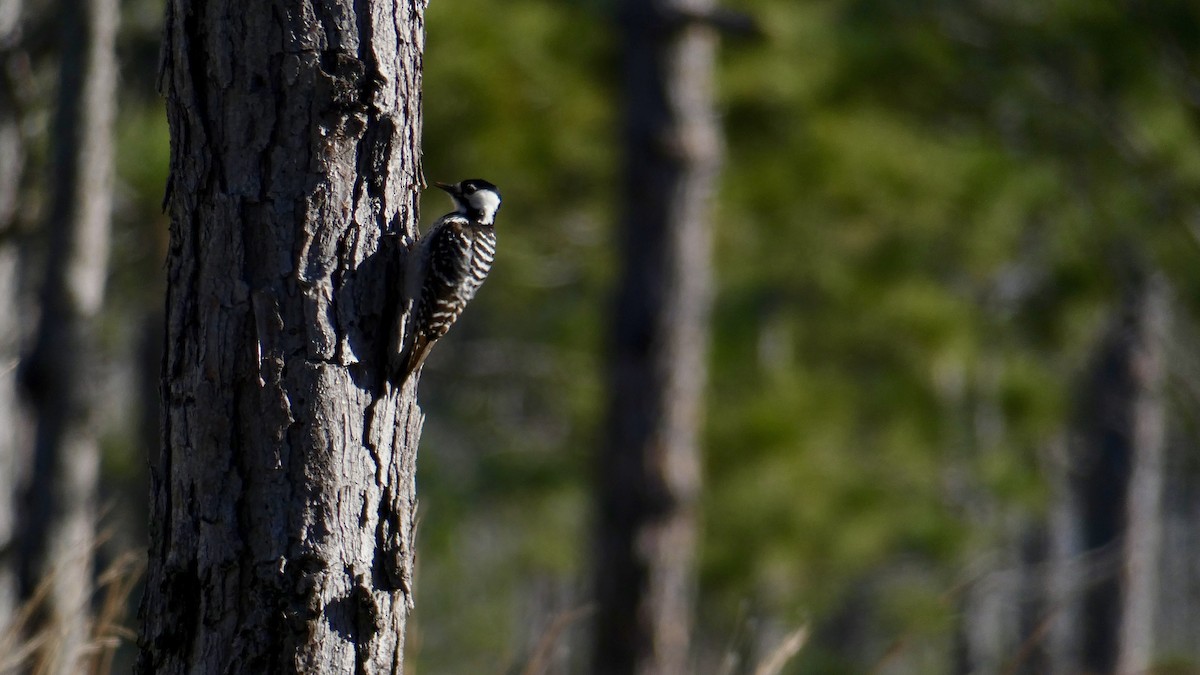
<point x="452" y="260"/>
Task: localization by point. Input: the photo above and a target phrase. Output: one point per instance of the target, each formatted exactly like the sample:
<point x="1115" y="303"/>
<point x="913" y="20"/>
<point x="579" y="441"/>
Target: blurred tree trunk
<point x="999" y="610"/>
<point x="1115" y="492"/>
<point x="283" y="501"/>
<point x="999" y="607"/>
<point x="650" y="471"/>
<point x="59" y="375"/>
<point x="1177" y="623"/>
<point x="10" y="457"/>
<point x="1068" y="570"/>
<point x="1081" y="593"/>
<point x="12" y="161"/>
<point x="1143" y="522"/>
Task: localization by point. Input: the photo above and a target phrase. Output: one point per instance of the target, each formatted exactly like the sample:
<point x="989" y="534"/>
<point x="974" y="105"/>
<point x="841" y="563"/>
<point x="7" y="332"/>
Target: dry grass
<point x="28" y="648"/>
<point x="785" y="651"/>
<point x="539" y="661"/>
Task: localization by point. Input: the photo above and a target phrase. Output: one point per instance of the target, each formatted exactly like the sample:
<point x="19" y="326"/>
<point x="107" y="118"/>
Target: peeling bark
<point x="284" y="496"/>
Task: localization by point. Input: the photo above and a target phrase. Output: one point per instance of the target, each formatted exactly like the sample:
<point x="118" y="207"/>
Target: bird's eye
<point x="469" y="188"/>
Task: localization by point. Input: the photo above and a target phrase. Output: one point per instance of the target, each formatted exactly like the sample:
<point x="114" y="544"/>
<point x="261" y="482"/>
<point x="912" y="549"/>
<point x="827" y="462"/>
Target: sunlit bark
<point x="284" y="495"/>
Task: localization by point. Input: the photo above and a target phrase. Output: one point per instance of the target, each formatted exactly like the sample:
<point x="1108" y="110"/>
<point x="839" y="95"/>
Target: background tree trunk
<point x="284" y="496"/>
<point x="999" y="609"/>
<point x="1083" y="592"/>
<point x="1177" y="622"/>
<point x="12" y="161"/>
<point x="1069" y="572"/>
<point x="1107" y="552"/>
<point x="59" y="522"/>
<point x="650" y="471"/>
<point x="1143" y="537"/>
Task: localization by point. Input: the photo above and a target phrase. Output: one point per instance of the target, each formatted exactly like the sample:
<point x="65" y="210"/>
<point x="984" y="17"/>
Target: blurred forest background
<point x="952" y="411"/>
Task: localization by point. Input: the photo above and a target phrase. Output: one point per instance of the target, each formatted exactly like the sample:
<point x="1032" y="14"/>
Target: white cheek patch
<point x="485" y="202"/>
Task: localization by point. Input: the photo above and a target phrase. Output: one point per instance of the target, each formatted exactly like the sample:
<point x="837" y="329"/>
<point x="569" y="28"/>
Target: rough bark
<point x="59" y="517"/>
<point x="12" y="158"/>
<point x="650" y="470"/>
<point x="284" y="498"/>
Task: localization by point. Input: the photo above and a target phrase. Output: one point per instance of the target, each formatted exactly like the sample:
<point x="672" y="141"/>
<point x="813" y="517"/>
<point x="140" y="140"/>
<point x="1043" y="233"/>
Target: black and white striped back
<point x="458" y="256"/>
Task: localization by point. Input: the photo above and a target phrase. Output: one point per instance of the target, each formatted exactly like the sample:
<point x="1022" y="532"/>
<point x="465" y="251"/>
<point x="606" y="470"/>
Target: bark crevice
<point x="287" y="462"/>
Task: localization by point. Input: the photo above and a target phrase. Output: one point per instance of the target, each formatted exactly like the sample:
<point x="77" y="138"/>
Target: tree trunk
<point x="1176" y="629"/>
<point x="999" y="607"/>
<point x="1117" y="486"/>
<point x="59" y="532"/>
<point x="998" y="629"/>
<point x="1177" y="624"/>
<point x="284" y="496"/>
<point x="1143" y="540"/>
<point x="1068" y="572"/>
<point x="650" y="472"/>
<point x="12" y="159"/>
<point x="10" y="456"/>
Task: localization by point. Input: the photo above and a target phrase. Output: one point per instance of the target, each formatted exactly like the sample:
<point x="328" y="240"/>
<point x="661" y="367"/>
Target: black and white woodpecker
<point x="452" y="260"/>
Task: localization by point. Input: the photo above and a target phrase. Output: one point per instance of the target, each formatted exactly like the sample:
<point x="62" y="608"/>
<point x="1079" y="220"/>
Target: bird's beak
<point x="447" y="187"/>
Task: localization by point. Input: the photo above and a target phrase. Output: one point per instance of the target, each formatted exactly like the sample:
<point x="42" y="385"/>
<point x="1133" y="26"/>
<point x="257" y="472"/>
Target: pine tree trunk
<point x="1143" y="523"/>
<point x="10" y="456"/>
<point x="1176" y="628"/>
<point x="1177" y="624"/>
<point x="59" y="374"/>
<point x="1115" y="493"/>
<point x="12" y="159"/>
<point x="650" y="471"/>
<point x="284" y="496"/>
<point x="1067" y="570"/>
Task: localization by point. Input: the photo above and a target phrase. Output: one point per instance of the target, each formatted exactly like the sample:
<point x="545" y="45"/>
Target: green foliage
<point x="926" y="212"/>
<point x="928" y="231"/>
<point x="514" y="397"/>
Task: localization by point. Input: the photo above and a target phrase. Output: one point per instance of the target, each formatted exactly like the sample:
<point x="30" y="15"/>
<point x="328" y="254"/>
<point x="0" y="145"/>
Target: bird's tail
<point x="416" y="357"/>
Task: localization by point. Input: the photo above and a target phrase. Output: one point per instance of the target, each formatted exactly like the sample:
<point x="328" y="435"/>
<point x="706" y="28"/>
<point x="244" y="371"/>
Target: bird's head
<point x="475" y="198"/>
